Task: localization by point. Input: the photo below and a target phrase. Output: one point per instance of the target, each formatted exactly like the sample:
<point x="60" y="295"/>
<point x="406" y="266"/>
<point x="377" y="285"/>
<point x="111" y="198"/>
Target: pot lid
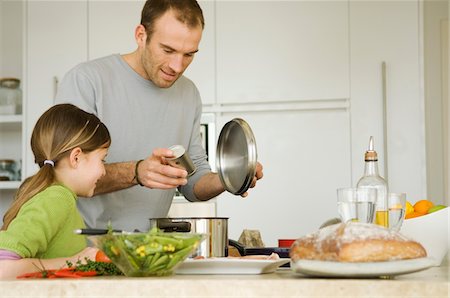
<point x="236" y="156"/>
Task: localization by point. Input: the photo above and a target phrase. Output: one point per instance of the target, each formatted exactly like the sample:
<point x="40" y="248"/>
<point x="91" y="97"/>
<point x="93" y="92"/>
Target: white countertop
<point x="433" y="282"/>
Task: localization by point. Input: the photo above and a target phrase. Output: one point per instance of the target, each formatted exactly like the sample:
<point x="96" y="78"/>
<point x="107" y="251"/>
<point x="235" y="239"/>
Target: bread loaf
<point x="356" y="242"/>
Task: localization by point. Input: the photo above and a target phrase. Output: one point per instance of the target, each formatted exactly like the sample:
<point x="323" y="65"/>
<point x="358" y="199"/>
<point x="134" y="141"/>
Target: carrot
<point x="31" y="275"/>
<point x="86" y="273"/>
<point x="63" y="273"/>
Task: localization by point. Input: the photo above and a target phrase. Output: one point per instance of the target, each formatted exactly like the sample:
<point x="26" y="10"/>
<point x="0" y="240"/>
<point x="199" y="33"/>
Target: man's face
<point x="170" y="50"/>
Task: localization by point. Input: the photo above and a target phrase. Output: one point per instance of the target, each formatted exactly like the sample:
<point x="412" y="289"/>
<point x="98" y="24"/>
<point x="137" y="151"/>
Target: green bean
<point x="129" y="244"/>
<point x="133" y="262"/>
<point x="167" y="240"/>
<point x="158" y="268"/>
<point x="174" y="260"/>
<point x="155" y="258"/>
<point x="148" y="261"/>
<point x="184" y="251"/>
<point x="161" y="261"/>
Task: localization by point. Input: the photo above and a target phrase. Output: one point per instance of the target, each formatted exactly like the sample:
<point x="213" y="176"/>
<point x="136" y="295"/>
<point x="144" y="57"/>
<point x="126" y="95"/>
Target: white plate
<point x="229" y="266"/>
<point x="374" y="269"/>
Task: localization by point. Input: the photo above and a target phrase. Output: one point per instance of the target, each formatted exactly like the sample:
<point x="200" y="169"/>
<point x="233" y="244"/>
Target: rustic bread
<point x="356" y="242"/>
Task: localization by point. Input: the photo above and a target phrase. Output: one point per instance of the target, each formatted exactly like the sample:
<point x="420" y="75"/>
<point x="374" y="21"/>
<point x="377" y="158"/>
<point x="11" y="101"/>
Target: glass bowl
<point x="155" y="253"/>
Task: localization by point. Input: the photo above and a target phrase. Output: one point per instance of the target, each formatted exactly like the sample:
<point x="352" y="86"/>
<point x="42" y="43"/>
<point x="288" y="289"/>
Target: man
<point x="147" y="104"/>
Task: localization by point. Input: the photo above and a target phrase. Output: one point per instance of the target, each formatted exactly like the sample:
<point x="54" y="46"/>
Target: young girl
<point x="69" y="145"/>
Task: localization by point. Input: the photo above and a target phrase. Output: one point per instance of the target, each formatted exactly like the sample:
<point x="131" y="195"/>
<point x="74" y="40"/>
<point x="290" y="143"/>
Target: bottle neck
<point x="371" y="168"/>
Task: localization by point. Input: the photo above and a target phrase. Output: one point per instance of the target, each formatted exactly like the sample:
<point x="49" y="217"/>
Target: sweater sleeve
<point x="37" y="223"/>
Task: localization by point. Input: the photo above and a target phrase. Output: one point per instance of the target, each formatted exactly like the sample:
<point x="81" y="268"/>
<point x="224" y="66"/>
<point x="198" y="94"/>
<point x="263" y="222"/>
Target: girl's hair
<point x="60" y="129"/>
<point x="187" y="12"/>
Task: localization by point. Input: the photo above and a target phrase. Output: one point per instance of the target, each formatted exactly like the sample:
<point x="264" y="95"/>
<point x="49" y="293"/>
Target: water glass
<point x="357" y="204"/>
<point x="396" y="210"/>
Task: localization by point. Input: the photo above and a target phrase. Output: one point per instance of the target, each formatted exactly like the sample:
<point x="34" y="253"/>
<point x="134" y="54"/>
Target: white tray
<point x="371" y="269"/>
<point x="229" y="266"/>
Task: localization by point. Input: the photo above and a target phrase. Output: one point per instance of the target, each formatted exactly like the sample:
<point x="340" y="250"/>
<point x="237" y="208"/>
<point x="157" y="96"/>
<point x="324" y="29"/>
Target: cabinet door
<point x="282" y="50"/>
<point x="111" y="27"/>
<point x="202" y="70"/>
<point x="56" y="41"/>
<point x="388" y="31"/>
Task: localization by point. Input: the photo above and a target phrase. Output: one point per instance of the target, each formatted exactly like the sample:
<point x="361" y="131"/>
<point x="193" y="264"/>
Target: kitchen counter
<point x="433" y="282"/>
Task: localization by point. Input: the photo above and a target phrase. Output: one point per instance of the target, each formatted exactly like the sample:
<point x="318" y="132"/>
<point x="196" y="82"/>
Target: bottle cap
<point x="371" y="155"/>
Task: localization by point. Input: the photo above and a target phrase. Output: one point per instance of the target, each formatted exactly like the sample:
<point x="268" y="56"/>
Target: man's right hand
<point x="155" y="172"/>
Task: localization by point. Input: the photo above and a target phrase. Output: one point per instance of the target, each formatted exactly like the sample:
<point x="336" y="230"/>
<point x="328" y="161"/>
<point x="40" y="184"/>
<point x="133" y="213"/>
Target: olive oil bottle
<point x="372" y="179"/>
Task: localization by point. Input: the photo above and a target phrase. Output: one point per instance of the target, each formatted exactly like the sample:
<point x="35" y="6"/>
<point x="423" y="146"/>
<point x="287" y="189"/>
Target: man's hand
<point x="154" y="172"/>
<point x="258" y="175"/>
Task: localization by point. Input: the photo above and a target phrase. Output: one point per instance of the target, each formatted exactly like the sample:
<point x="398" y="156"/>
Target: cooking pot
<point x="216" y="229"/>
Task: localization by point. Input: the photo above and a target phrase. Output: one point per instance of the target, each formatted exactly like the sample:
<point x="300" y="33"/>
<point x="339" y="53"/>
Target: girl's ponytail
<point x="29" y="188"/>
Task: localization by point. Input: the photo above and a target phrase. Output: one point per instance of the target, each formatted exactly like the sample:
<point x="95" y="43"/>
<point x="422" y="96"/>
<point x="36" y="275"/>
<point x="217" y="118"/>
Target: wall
<point x="1" y="38"/>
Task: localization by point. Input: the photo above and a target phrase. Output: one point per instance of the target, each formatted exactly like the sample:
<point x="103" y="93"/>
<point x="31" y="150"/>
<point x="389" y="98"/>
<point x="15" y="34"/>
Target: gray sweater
<point x="140" y="117"/>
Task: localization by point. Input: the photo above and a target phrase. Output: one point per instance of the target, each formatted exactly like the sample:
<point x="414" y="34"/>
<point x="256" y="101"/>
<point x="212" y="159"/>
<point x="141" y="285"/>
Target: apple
<point x="436" y="208"/>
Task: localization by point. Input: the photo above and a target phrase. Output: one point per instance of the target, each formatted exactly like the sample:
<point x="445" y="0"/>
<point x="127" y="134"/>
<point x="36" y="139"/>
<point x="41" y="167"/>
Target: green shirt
<point x="44" y="226"/>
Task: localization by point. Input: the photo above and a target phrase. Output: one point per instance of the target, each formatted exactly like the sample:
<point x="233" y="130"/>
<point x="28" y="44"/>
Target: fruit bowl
<point x="430" y="230"/>
<point x="155" y="253"/>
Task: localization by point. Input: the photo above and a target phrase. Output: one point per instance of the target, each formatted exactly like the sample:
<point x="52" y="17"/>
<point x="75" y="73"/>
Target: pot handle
<point x="174" y="226"/>
<point x="238" y="246"/>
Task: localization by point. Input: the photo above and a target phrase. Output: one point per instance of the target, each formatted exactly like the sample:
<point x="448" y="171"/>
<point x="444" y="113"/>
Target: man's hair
<point x="187" y="12"/>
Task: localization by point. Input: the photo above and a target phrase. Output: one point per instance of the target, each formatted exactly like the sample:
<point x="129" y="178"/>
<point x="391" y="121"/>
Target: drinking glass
<point x="356" y="204"/>
<point x="396" y="210"/>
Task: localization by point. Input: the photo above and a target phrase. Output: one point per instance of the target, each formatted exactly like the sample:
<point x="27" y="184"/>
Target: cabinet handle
<point x="385" y="130"/>
<point x="55" y="86"/>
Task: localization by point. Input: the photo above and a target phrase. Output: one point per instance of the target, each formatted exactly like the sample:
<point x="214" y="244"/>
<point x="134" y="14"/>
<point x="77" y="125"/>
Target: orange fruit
<point x="422" y="206"/>
<point x="412" y="215"/>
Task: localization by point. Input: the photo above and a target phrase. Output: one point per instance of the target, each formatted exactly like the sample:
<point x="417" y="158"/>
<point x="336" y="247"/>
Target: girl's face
<point x="91" y="169"/>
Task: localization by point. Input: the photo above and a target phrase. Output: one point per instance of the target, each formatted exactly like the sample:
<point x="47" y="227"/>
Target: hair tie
<point x="49" y="162"/>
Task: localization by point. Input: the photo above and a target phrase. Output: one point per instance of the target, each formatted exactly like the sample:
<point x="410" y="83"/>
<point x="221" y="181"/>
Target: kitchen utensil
<point x="283" y="252"/>
<point x="181" y="159"/>
<point x="95" y="231"/>
<point x="216" y="229"/>
<point x="236" y="156"/>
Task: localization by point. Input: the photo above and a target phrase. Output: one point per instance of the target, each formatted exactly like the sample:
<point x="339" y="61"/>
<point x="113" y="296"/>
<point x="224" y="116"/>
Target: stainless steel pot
<point x="216" y="229"/>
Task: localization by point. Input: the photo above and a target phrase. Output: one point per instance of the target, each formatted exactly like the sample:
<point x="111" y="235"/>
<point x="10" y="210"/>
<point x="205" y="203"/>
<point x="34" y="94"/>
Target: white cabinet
<point x="56" y="41"/>
<point x="11" y="49"/>
<point x="202" y="70"/>
<point x="388" y="31"/>
<point x="275" y="51"/>
<point x="111" y="27"/>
